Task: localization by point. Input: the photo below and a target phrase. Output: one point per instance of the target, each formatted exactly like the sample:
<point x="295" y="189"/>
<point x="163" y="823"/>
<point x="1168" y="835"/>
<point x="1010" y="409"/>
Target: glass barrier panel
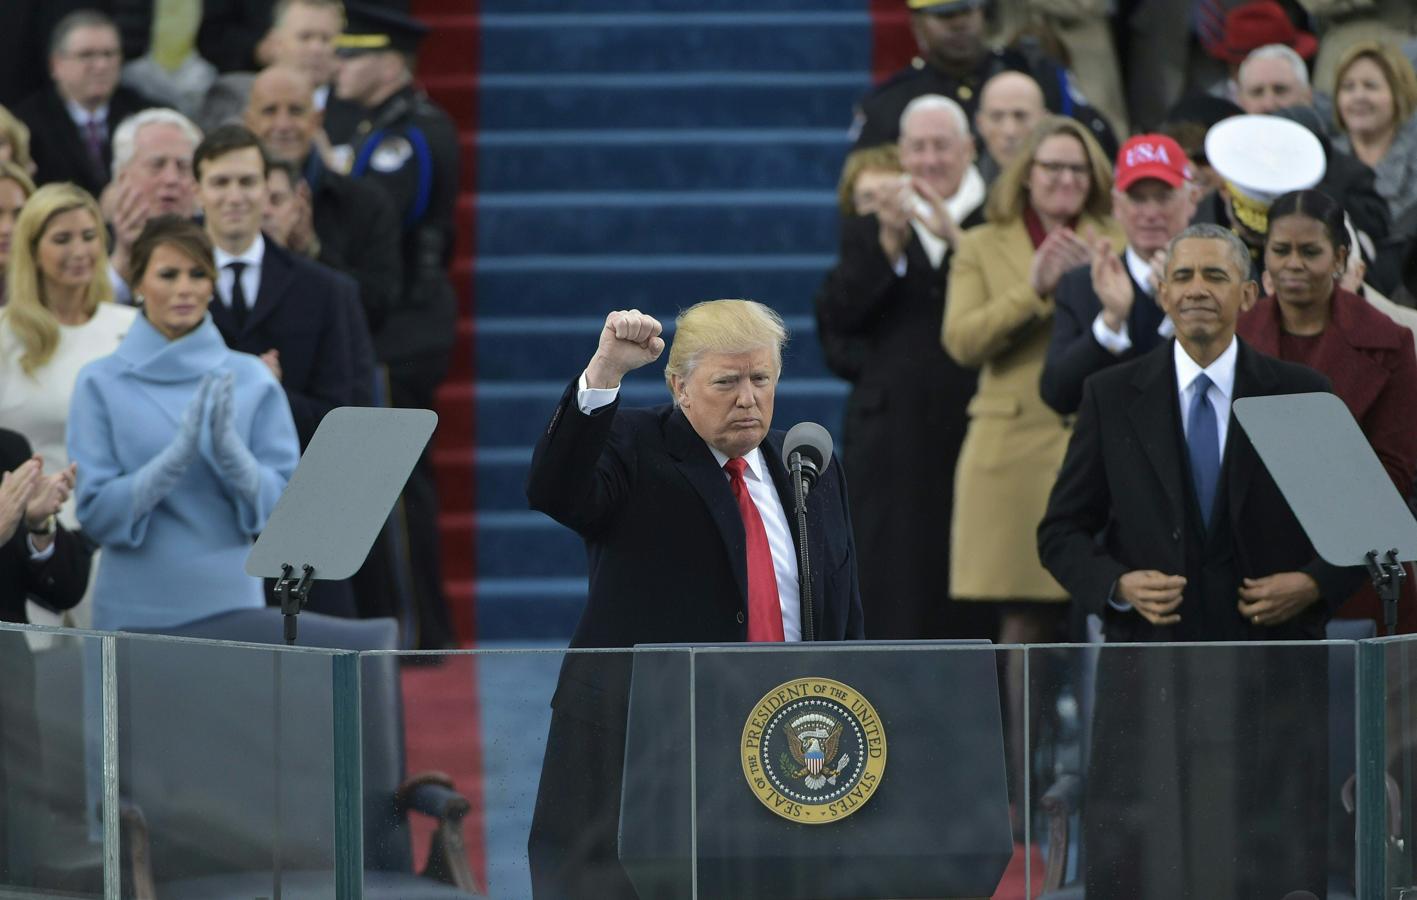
<point x="1389" y="745"/>
<point x="841" y="770"/>
<point x="228" y="765"/>
<point x="48" y="847"/>
<point x="491" y="771"/>
<point x="1193" y="770"/>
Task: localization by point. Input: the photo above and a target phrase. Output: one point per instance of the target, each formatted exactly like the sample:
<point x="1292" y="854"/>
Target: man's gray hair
<point x="125" y="138"/>
<point x="1276" y="51"/>
<point x="935" y="101"/>
<point x="1239" y="253"/>
<point x="79" y="18"/>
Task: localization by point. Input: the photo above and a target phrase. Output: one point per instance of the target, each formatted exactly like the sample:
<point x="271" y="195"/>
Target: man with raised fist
<point x="684" y="509"/>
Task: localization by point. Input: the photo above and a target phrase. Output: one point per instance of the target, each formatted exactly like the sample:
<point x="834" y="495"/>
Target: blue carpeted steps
<point x="646" y="154"/>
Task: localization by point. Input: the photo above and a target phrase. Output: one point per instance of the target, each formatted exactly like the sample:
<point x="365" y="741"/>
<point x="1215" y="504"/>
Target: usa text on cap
<point x="1152" y="156"/>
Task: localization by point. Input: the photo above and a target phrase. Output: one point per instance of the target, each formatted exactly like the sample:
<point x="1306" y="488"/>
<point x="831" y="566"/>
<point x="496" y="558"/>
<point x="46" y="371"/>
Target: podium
<point x="815" y="771"/>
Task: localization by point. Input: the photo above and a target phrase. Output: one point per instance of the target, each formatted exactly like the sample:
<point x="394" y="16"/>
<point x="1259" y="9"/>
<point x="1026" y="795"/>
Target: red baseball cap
<point x="1254" y="25"/>
<point x="1152" y="156"/>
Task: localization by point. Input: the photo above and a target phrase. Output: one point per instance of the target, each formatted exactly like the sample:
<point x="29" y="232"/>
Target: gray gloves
<point x="234" y="461"/>
<point x="156" y="479"/>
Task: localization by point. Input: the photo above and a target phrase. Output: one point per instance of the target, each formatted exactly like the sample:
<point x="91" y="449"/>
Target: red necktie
<point x="764" y="612"/>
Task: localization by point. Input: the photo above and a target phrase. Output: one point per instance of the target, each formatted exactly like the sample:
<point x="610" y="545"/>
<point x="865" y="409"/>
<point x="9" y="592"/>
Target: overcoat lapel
<point x="1253" y="378"/>
<point x="1155" y="423"/>
<point x="276" y="275"/>
<point x="698" y="466"/>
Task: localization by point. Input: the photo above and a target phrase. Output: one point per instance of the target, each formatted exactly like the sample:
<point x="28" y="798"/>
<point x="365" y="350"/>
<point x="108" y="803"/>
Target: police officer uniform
<point x="409" y="148"/>
<point x="878" y="115"/>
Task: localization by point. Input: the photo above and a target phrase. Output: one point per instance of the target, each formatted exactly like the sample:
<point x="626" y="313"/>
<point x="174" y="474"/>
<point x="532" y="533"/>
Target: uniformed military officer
<point x="385" y="129"/>
<point x="1260" y="158"/>
<point x="955" y="61"/>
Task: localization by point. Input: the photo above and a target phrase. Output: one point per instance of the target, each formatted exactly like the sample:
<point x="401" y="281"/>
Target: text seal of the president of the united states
<point x="813" y="750"/>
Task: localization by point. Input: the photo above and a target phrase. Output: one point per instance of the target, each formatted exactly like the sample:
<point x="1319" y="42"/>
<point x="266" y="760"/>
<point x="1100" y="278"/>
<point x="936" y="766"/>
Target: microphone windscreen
<point x="810" y="439"/>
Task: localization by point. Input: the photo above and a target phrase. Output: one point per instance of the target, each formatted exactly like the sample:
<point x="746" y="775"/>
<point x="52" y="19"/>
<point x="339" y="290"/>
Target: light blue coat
<point x="183" y="560"/>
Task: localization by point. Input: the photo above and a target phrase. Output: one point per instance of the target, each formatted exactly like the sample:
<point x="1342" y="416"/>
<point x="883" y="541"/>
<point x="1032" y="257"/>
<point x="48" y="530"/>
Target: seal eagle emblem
<point x="813" y="750"/>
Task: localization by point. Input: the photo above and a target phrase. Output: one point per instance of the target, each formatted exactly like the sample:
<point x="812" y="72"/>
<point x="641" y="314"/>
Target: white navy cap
<point x="1262" y="158"/>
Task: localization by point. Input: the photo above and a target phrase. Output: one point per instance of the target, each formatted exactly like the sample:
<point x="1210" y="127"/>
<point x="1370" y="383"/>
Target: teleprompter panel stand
<point x="1335" y="485"/>
<point x="339" y="497"/>
<point x="851" y="772"/>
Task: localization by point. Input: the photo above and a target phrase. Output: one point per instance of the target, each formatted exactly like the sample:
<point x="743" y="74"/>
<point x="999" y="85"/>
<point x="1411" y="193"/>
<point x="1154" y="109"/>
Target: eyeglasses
<point x="1054" y="169"/>
<point x="93" y="56"/>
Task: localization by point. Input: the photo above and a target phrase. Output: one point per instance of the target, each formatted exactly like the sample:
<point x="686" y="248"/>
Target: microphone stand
<point x="800" y="475"/>
<point x="1387" y="576"/>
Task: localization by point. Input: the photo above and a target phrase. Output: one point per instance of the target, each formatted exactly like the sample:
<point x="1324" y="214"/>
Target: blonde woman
<point x="59" y="316"/>
<point x="15" y="142"/>
<point x="1374" y="101"/>
<point x="15" y="189"/>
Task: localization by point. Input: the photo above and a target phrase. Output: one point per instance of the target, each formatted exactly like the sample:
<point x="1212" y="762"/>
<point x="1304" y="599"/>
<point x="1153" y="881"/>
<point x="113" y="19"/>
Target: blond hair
<point x="722" y="326"/>
<point x="17" y="135"/>
<point x="882" y="158"/>
<point x="26" y="311"/>
<point x="9" y="171"/>
<point x="1010" y="191"/>
<point x="1396" y="68"/>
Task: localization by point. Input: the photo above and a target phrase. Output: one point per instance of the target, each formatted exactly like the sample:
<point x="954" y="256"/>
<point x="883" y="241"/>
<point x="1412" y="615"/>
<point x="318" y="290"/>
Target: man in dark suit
<point x="1165" y="523"/>
<point x="1106" y="312"/>
<point x="684" y="511"/>
<point x="351" y="221"/>
<point x="38" y="557"/>
<point x="72" y="120"/>
<point x="287" y="310"/>
<point x="292" y="313"/>
<point x="905" y="419"/>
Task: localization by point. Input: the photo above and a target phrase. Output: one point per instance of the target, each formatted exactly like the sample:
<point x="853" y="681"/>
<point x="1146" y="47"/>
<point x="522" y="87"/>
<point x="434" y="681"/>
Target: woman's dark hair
<point x="173" y="231"/>
<point x="1316" y="205"/>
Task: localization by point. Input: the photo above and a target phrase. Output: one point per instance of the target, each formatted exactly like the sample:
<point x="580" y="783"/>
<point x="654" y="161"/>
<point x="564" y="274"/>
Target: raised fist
<point x="630" y="339"/>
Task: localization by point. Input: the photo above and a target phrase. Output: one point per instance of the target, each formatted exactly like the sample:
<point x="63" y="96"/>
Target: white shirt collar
<point x="251" y="256"/>
<point x="82" y="116"/>
<point x="1140" y="270"/>
<point x="1221" y="372"/>
<point x="753" y="458"/>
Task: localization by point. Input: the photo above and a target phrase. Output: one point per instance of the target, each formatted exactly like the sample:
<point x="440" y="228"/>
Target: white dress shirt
<point x="252" y="256"/>
<point x="1221" y="391"/>
<point x="1120" y="342"/>
<point x="770" y="508"/>
<point x="82" y="117"/>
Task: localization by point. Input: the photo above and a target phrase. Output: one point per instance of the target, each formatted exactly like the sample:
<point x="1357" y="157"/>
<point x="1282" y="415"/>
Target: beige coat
<point x="1015" y="443"/>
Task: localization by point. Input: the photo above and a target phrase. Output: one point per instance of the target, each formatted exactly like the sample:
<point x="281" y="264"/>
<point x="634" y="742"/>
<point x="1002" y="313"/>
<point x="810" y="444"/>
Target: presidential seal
<point x="813" y="751"/>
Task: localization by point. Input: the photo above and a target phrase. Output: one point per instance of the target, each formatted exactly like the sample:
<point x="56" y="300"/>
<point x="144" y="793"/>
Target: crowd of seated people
<point x="182" y="304"/>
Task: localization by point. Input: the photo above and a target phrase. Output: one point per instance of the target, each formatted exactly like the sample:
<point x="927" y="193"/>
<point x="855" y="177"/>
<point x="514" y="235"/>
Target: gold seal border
<point x="754" y="772"/>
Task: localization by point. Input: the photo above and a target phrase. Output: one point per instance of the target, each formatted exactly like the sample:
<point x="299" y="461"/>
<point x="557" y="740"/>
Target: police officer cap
<point x="370" y="29"/>
<point x="945" y="7"/>
<point x="1261" y="158"/>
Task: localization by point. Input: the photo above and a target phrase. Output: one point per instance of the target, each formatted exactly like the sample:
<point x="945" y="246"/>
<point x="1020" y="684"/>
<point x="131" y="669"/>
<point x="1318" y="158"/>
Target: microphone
<point x="813" y="445"/>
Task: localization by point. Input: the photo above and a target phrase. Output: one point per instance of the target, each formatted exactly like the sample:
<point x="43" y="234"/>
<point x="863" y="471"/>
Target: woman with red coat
<point x="1309" y="318"/>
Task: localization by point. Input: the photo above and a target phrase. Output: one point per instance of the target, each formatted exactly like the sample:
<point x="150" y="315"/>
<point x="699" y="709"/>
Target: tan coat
<point x="1015" y="443"/>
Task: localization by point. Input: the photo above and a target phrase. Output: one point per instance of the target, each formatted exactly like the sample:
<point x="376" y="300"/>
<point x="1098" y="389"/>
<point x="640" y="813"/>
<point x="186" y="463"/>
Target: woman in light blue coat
<point x="183" y="447"/>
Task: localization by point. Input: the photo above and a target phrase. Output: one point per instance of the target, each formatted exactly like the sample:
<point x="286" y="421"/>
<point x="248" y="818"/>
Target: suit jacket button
<point x="1176" y="534"/>
<point x="741" y="617"/>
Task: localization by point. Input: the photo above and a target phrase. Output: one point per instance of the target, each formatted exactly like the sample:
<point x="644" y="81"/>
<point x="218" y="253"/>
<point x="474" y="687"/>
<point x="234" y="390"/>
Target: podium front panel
<point x="824" y="772"/>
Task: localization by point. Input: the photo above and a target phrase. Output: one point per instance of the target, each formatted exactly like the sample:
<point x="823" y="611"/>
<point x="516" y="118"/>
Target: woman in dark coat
<point x="1306" y="317"/>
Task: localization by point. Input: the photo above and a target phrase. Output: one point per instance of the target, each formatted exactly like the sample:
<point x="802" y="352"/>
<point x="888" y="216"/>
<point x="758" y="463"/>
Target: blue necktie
<point x="1203" y="445"/>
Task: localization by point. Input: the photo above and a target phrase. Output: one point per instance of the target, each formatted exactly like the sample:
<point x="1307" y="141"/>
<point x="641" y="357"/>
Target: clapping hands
<point x="234" y="461"/>
<point x="1060" y="251"/>
<point x="28" y="495"/>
